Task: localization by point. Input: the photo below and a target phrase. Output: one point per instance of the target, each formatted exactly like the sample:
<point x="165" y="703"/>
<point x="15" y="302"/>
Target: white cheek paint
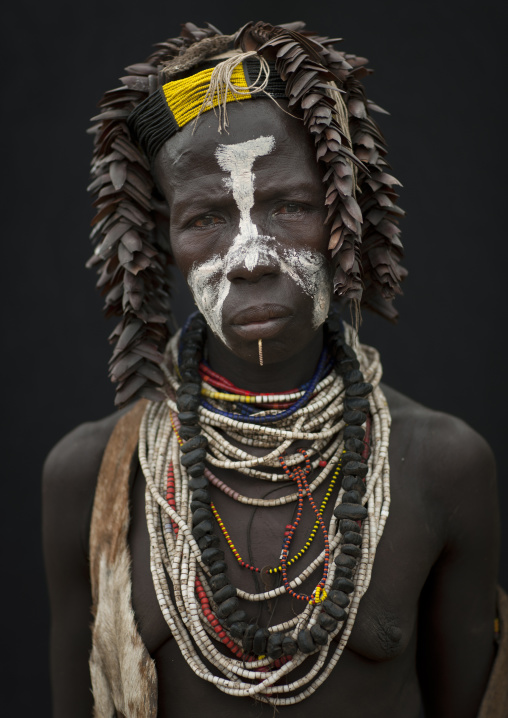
<point x="310" y="271"/>
<point x="208" y="281"/>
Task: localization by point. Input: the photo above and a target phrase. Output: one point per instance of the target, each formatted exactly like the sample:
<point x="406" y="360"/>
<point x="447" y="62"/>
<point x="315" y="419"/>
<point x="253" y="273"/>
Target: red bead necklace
<point x="298" y="554"/>
<point x="299" y="475"/>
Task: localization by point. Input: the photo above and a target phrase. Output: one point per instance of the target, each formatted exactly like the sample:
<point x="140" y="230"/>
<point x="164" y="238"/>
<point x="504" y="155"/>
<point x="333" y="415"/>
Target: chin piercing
<point x="260" y="350"/>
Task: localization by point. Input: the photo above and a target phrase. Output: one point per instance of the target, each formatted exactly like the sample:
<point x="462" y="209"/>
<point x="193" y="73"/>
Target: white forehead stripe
<point x="238" y="161"/>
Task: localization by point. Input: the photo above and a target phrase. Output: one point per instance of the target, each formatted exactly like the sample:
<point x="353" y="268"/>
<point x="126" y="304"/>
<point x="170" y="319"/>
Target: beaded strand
<point x="299" y="554"/>
<point x="299" y="475"/>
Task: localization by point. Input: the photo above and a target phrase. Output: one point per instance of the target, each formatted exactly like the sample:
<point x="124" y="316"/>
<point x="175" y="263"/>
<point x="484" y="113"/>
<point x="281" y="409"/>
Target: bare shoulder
<point x="452" y="465"/>
<point x="68" y="484"/>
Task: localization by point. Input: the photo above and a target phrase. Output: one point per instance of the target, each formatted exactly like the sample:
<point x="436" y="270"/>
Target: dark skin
<point x="424" y="629"/>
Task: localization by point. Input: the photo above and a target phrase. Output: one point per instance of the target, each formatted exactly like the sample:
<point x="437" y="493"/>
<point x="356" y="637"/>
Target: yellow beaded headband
<point x="175" y="104"/>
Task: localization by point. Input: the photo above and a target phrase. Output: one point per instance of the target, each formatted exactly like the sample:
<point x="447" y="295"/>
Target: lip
<point x="260" y="322"/>
<point x="260" y="314"/>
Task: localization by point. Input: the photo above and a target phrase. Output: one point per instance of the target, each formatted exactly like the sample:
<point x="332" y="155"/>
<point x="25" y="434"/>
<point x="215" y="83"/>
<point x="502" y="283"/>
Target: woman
<point x="210" y="588"/>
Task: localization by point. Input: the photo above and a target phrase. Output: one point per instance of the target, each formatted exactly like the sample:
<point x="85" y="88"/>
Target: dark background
<point x="441" y="71"/>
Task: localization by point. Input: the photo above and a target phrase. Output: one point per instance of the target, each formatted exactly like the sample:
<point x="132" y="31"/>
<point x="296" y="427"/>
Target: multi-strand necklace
<point x="208" y="424"/>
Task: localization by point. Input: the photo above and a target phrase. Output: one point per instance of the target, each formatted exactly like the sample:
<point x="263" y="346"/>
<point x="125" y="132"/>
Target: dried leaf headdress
<point x="132" y="252"/>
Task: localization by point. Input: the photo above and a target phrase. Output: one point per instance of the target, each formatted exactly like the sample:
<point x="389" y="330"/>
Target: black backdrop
<point x="440" y="71"/>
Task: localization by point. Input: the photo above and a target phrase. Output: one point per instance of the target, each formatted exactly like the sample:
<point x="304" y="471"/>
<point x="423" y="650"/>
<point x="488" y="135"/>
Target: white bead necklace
<point x="178" y="556"/>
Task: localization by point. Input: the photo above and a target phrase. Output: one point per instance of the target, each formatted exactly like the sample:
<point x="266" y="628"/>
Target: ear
<point x="161" y="207"/>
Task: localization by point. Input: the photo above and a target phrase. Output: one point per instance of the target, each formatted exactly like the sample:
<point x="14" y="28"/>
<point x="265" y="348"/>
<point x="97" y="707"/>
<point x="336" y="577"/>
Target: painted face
<point x="209" y="281"/>
<point x="246" y="227"/>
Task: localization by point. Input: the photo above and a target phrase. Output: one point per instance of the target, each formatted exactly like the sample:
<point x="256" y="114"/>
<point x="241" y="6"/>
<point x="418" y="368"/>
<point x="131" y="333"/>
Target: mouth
<point x="260" y="322"/>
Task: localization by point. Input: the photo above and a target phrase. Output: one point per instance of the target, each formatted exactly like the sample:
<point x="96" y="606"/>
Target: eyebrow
<point x="207" y="199"/>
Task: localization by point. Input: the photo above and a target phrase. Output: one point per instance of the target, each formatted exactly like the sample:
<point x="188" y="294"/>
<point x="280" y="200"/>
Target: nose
<point x="252" y="264"/>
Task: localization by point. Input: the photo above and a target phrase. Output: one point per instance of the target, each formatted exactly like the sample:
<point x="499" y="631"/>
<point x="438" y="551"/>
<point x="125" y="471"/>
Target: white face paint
<point x="208" y="281"/>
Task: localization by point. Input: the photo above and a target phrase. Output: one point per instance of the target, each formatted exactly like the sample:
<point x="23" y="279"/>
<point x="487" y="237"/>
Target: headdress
<point x="132" y="253"/>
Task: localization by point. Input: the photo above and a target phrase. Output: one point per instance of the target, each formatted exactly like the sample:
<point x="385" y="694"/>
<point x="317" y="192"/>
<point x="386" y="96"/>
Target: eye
<point x="207" y="221"/>
<point x="290" y="208"/>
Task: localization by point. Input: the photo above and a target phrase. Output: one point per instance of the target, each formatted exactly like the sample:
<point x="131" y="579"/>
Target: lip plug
<point x="260" y="350"/>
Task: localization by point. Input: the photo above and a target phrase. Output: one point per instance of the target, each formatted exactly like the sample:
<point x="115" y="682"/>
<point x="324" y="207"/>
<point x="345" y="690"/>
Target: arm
<point x="457" y="605"/>
<point x="69" y="478"/>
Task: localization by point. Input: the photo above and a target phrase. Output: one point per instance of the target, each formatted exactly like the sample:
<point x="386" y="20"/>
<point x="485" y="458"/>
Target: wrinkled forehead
<point x="197" y="149"/>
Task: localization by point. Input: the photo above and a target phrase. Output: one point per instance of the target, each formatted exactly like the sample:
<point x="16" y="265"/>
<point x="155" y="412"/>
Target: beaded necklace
<point x="204" y="610"/>
<point x="289" y="529"/>
<point x="246" y="412"/>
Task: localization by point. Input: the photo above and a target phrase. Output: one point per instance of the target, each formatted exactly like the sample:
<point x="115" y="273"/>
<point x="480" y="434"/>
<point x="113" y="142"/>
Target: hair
<point x="132" y="251"/>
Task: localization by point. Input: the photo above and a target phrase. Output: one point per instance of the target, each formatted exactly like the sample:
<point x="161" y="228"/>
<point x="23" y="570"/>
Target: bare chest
<point x="386" y="620"/>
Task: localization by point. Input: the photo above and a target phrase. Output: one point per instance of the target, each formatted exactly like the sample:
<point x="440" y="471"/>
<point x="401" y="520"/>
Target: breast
<point x="380" y="634"/>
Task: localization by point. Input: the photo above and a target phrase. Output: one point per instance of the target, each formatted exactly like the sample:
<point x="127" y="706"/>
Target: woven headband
<point x="175" y="104"/>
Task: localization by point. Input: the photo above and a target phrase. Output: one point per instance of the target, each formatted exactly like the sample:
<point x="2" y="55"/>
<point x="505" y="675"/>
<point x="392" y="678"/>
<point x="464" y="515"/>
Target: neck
<point x="278" y="376"/>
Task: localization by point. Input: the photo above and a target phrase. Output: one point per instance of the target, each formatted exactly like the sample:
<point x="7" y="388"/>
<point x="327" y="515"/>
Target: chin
<point x="281" y="340"/>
